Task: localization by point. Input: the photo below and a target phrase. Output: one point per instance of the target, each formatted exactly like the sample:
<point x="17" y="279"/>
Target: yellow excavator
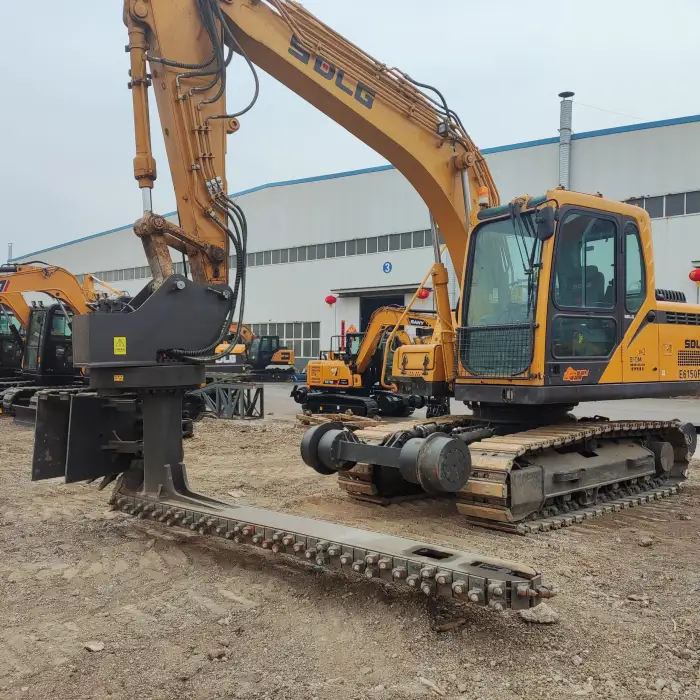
<point x="144" y="359"/>
<point x="259" y="357"/>
<point x="36" y="340"/>
<point x="354" y="378"/>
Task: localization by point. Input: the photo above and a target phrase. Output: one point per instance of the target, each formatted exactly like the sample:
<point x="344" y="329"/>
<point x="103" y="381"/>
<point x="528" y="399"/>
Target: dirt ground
<point x="173" y="615"/>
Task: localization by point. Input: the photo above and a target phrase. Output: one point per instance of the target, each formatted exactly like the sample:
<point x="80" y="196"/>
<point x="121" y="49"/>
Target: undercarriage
<point x="380" y="402"/>
<point x="506" y="472"/>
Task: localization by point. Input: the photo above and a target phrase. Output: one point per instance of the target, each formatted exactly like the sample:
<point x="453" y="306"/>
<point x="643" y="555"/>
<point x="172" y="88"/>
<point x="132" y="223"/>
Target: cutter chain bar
<point x="433" y="570"/>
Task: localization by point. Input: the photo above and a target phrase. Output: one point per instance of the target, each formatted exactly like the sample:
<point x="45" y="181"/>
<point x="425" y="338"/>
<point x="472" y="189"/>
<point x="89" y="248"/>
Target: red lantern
<point x="695" y="275"/>
<point x="330" y="300"/>
<point x="423" y="293"/>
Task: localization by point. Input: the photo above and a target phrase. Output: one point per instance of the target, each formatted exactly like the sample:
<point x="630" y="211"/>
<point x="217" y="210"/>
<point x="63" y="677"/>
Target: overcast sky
<point x="66" y="121"/>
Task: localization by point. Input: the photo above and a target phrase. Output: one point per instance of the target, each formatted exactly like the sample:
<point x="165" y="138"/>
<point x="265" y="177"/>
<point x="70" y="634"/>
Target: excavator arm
<point x="16" y="303"/>
<point x="384" y="318"/>
<point x="188" y="45"/>
<point x="55" y="281"/>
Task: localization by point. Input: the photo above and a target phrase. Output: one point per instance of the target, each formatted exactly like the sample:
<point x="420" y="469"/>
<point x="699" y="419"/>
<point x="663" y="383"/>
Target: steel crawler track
<point x="431" y="569"/>
<point x="485" y="500"/>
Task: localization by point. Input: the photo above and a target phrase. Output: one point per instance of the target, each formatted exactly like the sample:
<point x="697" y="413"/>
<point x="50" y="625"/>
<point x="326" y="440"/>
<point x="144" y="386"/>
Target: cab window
<point x="60" y="326"/>
<point x="584" y="267"/>
<point x="635" y="277"/>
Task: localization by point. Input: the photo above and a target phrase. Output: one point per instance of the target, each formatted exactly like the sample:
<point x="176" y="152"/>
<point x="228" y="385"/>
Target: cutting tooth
<point x="475" y="595"/>
<point x="322" y="546"/>
<point x="277" y="547"/>
<point x="267" y="544"/>
<point x="358" y="566"/>
<point x="413" y="580"/>
<point x="443" y="577"/>
<point x="310" y="553"/>
<point x="399" y="573"/>
<point x="384" y="564"/>
<point x="371" y="559"/>
<point x="459" y="587"/>
<point x="247" y="530"/>
<point x="221" y="529"/>
<point x="427" y="572"/>
<point x="334" y="550"/>
<point x="299" y="547"/>
<point x="371" y="572"/>
<point x="278" y="536"/>
<point x="322" y="558"/>
<point x="495" y="605"/>
<point x="229" y="534"/>
<point x="346" y="558"/>
<point x="428" y="587"/>
<point x="257" y="539"/>
<point x="288" y="540"/>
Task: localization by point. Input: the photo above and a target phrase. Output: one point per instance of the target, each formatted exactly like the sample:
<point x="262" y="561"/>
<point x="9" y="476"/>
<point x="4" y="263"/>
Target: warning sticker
<point x="118" y="377"/>
<point x="119" y="345"/>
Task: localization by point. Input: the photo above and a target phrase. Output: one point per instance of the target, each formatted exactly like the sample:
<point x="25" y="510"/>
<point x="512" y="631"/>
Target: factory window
<point x="675" y="204"/>
<point x="429" y="237"/>
<point x="302" y="337"/>
<point x="636" y="201"/>
<point x="320" y="251"/>
<point x="692" y="203"/>
<point x="654" y="206"/>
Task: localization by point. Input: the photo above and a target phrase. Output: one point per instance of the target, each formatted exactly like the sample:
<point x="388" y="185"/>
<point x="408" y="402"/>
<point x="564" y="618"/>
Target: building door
<point x="368" y="305"/>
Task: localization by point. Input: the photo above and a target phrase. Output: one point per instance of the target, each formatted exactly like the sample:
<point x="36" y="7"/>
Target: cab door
<point x="640" y="346"/>
<point x="585" y="310"/>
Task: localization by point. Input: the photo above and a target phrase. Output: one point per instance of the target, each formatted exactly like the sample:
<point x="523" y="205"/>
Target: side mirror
<point x="544" y="223"/>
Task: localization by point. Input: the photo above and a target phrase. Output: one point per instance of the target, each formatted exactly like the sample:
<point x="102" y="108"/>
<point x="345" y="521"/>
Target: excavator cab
<point x="11" y="344"/>
<point x="266" y="350"/>
<point x="49" y="348"/>
<point x="565" y="310"/>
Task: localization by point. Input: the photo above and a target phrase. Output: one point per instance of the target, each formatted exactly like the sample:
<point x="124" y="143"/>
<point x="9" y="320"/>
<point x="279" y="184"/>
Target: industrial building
<point x="364" y="236"/>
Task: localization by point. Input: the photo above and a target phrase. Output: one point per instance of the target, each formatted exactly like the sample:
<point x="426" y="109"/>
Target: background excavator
<point x="256" y="357"/>
<point x="355" y="378"/>
<point x="142" y="359"/>
<point x="37" y="340"/>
